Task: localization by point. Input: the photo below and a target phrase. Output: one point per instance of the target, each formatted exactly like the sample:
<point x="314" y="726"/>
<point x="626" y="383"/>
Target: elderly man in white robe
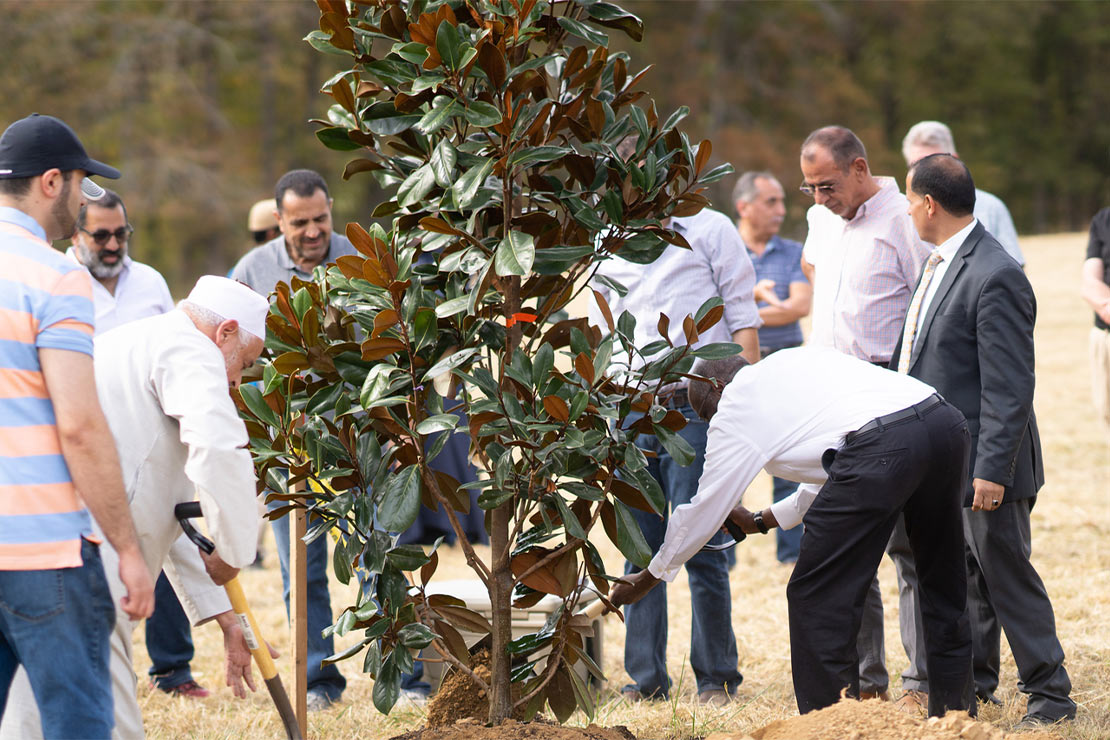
<point x="164" y="384"/>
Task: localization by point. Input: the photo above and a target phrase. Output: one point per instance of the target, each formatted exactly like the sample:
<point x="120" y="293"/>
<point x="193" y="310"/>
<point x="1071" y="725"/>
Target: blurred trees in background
<point x="203" y="104"/>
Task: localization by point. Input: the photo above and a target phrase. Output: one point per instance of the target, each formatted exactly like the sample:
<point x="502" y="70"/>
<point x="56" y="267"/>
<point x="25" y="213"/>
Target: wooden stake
<point x="298" y="615"/>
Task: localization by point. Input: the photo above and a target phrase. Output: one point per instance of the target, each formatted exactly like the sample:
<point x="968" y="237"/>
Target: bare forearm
<point x="781" y="315"/>
<point x="1093" y="290"/>
<point x="748" y="339"/>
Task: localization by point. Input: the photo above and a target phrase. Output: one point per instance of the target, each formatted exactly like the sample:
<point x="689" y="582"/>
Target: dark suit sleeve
<point x="1004" y="325"/>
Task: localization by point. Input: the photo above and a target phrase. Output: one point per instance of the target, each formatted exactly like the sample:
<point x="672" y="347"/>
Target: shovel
<point x="191" y="510"/>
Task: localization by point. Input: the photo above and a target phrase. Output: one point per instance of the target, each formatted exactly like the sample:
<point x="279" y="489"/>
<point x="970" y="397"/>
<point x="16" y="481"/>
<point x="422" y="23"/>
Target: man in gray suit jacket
<point x="969" y="334"/>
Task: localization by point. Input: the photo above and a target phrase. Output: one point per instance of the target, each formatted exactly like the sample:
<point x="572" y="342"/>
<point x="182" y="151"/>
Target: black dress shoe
<point x="1035" y="720"/>
<point x="987" y="697"/>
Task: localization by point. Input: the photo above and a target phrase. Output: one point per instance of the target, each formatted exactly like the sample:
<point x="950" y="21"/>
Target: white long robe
<point x="163" y="387"/>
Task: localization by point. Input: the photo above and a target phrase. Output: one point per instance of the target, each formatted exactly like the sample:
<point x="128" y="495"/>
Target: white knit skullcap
<point x="231" y="299"/>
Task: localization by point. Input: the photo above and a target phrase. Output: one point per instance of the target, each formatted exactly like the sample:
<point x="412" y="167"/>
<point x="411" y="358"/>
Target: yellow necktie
<point x="909" y="333"/>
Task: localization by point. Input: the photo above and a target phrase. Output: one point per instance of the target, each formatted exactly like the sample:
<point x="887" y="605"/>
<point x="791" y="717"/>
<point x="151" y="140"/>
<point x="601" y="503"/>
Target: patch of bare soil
<point x="878" y="720"/>
<point x="472" y="729"/>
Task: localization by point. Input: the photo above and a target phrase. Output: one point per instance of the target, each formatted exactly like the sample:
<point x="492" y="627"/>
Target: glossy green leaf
<point x="533" y="155"/>
<point x="581" y="30"/>
<point x="407" y="557"/>
<point x="437" y="423"/>
<point x="452" y="307"/>
<point x="258" y="406"/>
<point x="450" y="363"/>
<point x="336" y="138"/>
<point x="443" y="110"/>
<point x="387" y="686"/>
<point x="443" y="162"/>
<point x="416" y="186"/>
<point x="482" y="114"/>
<point x="424" y="328"/>
<point x="415" y="636"/>
<point x="401" y="501"/>
<point x="630" y="540"/>
<point x="467" y="186"/>
<point x="717" y="350"/>
<point x="515" y="254"/>
<point x="449" y="45"/>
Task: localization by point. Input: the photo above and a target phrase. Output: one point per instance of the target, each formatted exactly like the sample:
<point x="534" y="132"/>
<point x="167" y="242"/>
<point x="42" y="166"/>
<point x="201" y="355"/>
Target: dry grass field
<point x="1071" y="550"/>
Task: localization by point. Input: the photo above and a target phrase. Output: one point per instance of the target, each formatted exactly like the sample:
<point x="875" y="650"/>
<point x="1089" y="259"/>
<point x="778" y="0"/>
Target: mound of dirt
<point x="878" y="720"/>
<point x="460" y="698"/>
<point x="471" y="729"/>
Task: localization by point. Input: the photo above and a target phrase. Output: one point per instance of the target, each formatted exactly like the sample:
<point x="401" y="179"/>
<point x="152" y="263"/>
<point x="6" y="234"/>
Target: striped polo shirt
<point x="45" y="303"/>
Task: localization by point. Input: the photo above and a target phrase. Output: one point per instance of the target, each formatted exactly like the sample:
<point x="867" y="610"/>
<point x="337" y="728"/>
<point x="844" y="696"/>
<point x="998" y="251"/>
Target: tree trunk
<point x="500" y="597"/>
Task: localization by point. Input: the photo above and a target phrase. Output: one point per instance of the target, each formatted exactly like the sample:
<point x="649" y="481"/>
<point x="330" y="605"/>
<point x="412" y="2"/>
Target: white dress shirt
<point x="866" y="270"/>
<point x="163" y="386"/>
<point x="680" y="281"/>
<point x="141" y="291"/>
<point x="947" y="251"/>
<point x="780" y="414"/>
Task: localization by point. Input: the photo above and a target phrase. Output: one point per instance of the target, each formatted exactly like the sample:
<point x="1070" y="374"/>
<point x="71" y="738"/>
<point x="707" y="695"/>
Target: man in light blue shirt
<point x="933" y="137"/>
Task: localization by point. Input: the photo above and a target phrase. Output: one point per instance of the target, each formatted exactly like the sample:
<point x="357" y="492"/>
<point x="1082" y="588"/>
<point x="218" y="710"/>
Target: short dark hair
<point x="110" y="200"/>
<point x="16" y="187"/>
<point x="705" y="395"/>
<point x="302" y="182"/>
<point x="947" y="180"/>
<point x="843" y="145"/>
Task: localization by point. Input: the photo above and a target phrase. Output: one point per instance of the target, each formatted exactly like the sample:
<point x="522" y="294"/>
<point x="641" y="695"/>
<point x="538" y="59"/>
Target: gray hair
<point x="704" y="395"/>
<point x="746" y="189"/>
<point x="208" y="317"/>
<point x="933" y="134"/>
<point x="841" y="143"/>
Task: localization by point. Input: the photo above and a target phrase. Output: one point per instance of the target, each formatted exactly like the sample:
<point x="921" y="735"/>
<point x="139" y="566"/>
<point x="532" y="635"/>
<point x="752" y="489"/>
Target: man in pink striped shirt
<point x="862" y="246"/>
<point x="866" y="257"/>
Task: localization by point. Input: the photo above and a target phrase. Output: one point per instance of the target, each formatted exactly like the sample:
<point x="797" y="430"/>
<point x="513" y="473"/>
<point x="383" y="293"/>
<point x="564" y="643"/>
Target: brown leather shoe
<point x="714" y="697"/>
<point x="914" y="702"/>
<point x="880" y="695"/>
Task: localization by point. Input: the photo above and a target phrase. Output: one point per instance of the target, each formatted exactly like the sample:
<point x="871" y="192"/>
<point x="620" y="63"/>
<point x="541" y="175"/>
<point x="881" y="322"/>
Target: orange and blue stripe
<point x="45" y="303"/>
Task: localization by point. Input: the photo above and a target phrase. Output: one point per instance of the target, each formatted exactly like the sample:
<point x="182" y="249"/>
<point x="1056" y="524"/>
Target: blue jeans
<point x="57" y="624"/>
<point x="712" y="643"/>
<point x="788" y="542"/>
<point x="169" y="639"/>
<point x="325" y="679"/>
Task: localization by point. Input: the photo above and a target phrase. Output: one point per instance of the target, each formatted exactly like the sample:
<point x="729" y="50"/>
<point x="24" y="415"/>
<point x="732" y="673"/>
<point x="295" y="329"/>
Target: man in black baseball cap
<point x="40" y="145"/>
<point x="63" y="616"/>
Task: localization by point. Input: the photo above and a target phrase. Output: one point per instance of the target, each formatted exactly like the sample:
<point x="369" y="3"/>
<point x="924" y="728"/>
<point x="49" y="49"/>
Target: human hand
<point x="744" y="519"/>
<point x="139" y="601"/>
<point x="237" y="655"/>
<point x="765" y="291"/>
<point x="1103" y="311"/>
<point x="988" y="495"/>
<point x="632" y="588"/>
<point x="219" y="571"/>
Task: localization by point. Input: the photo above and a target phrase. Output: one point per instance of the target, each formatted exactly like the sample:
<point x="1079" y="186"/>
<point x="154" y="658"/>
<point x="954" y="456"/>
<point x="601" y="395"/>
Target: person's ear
<point x="228" y="330"/>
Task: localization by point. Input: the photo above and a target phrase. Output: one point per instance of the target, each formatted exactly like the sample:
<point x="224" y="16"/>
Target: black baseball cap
<point x="37" y="143"/>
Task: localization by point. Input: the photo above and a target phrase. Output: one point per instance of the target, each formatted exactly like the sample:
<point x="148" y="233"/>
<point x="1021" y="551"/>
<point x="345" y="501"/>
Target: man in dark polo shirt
<point x="782" y="293"/>
<point x="1096" y="291"/>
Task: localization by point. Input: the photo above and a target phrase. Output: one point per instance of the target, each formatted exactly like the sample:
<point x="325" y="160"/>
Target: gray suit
<point x="975" y="346"/>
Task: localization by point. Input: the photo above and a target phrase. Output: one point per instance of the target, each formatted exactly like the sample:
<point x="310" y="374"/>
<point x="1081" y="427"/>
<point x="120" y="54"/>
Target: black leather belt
<point x="918" y="409"/>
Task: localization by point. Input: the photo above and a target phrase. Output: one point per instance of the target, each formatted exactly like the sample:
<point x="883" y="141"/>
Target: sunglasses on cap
<point x="101" y="236"/>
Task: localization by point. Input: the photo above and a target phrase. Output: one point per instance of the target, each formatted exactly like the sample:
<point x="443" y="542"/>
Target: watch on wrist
<point x="758" y="517"/>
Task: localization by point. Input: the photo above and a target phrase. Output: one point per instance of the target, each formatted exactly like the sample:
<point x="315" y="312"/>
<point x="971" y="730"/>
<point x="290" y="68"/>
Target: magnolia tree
<point x="495" y="128"/>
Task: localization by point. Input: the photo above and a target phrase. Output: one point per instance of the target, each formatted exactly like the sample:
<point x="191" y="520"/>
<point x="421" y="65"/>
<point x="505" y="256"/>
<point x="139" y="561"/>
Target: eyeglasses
<point x="824" y="189"/>
<point x="101" y="236"/>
